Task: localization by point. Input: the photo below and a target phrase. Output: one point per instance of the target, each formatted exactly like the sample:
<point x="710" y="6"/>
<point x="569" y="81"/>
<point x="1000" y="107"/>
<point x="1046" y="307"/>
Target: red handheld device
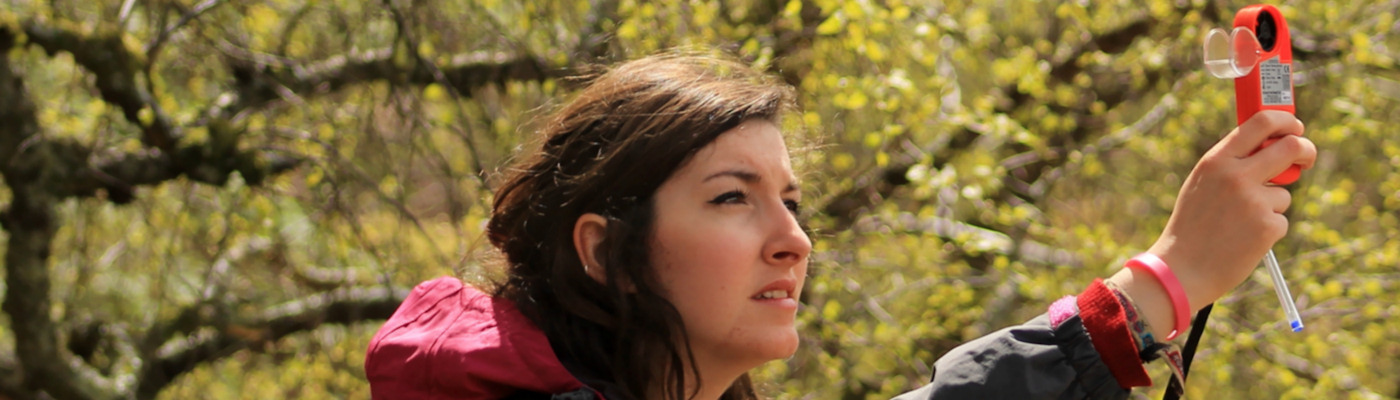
<point x="1269" y="86"/>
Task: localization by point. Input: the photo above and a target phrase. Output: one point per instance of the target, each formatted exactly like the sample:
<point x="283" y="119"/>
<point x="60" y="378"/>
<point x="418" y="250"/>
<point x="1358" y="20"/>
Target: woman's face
<point x="729" y="252"/>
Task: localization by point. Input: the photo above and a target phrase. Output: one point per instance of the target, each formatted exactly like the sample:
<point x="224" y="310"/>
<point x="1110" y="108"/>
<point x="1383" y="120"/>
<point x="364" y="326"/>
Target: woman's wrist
<point x="1167" y="280"/>
<point x="1200" y="290"/>
<point x="1137" y="323"/>
<point x="1151" y="298"/>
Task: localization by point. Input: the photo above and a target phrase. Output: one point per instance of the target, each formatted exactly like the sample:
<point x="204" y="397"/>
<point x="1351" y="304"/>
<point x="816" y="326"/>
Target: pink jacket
<point x="451" y="341"/>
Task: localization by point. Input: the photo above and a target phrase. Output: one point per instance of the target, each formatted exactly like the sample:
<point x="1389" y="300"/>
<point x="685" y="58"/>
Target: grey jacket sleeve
<point x="1030" y="361"/>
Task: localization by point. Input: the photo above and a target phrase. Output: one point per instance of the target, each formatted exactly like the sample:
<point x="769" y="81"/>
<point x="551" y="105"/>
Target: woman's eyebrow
<point x="746" y="176"/>
<point x="749" y="177"/>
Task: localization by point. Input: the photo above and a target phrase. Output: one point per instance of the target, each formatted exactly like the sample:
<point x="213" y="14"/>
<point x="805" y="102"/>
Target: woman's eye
<point x="792" y="205"/>
<point x="730" y="197"/>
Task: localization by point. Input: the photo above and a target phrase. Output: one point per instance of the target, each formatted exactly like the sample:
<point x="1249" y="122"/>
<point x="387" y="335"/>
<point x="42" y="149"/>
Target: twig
<point x="159" y="41"/>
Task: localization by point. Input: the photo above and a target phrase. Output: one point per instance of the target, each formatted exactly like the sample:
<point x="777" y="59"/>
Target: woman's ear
<point x="589" y="232"/>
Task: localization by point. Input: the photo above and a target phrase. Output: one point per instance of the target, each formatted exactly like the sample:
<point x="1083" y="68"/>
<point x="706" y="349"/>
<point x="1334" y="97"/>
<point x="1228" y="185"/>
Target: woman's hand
<point x="1226" y="217"/>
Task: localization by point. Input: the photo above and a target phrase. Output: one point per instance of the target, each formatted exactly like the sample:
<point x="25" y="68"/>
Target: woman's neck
<point x="713" y="385"/>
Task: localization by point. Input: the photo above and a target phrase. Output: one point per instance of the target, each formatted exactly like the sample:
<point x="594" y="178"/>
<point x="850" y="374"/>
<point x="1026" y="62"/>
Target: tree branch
<point x="878" y="184"/>
<point x="156" y="44"/>
<point x="1308" y="370"/>
<point x="12" y="380"/>
<point x="1055" y="160"/>
<point x="17" y="122"/>
<point x="261" y="79"/>
<point x="439" y="77"/>
<point x="982" y="238"/>
<point x="207" y="308"/>
<point x="593" y="38"/>
<point x="30" y="220"/>
<point x="116" y="68"/>
<point x="74" y="171"/>
<point x="42" y="171"/>
<point x="792" y="58"/>
<point x="345" y="306"/>
<point x="1025" y="181"/>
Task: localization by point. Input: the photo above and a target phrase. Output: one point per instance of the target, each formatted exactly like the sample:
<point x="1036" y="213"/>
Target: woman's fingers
<point x="1269" y="143"/>
<point x="1246" y="139"/>
<point x="1227" y="215"/>
<point x="1281" y="154"/>
<point x="1277" y="199"/>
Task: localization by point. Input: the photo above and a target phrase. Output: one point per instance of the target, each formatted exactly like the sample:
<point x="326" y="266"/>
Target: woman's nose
<point x="789" y="243"/>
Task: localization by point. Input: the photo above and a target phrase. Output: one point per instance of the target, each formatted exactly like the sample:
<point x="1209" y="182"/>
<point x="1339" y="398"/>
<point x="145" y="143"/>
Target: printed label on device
<point x="1276" y="82"/>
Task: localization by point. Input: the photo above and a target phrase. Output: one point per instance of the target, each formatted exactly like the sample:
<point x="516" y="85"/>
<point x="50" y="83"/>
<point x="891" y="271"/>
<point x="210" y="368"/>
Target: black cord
<point x="1198" y="327"/>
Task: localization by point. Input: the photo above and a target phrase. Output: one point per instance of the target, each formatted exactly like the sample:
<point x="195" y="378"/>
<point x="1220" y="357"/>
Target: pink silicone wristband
<point x="1158" y="268"/>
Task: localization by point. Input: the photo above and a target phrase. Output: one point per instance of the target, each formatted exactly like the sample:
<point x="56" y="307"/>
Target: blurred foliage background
<point x="225" y="198"/>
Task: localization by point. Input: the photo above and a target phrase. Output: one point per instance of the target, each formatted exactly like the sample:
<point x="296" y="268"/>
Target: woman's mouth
<point x="772" y="294"/>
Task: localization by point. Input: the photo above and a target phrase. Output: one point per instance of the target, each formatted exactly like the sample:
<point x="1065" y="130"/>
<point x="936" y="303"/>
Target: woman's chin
<point x="758" y="347"/>
<point x="781" y="346"/>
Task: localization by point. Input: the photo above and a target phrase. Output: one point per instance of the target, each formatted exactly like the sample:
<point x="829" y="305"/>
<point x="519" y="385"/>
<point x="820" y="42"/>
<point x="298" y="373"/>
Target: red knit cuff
<point x="1108" y="328"/>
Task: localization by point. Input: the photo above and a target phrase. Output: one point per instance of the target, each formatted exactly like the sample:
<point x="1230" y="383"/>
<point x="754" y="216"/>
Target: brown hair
<point x="607" y="152"/>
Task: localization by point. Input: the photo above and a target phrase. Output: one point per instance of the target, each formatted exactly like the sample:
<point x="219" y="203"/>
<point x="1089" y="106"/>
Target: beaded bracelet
<point x="1149" y="349"/>
<point x="1142" y="333"/>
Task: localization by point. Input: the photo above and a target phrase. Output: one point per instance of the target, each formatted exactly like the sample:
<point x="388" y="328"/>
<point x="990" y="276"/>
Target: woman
<point x="653" y="251"/>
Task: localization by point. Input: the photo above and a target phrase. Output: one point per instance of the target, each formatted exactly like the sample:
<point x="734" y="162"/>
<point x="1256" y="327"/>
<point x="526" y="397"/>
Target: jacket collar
<point x="450" y="340"/>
